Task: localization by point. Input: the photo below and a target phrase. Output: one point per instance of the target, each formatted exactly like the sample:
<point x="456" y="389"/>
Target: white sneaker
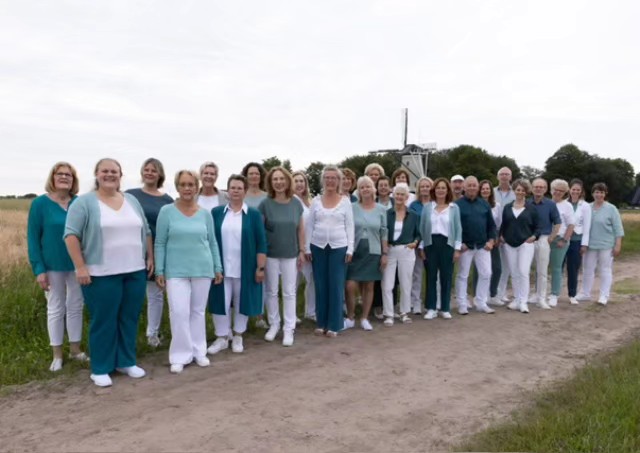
<point x="202" y="361"/>
<point x="388" y="322"/>
<point x="495" y="301"/>
<point x="485" y="309"/>
<point x="220" y="344"/>
<point x="445" y="315"/>
<point x="262" y="324"/>
<point x="463" y="310"/>
<point x="349" y="323"/>
<point x="533" y="299"/>
<point x="176" y="368"/>
<point x="431" y="314"/>
<point x="514" y="305"/>
<point x="366" y="325"/>
<point x="56" y="365"/>
<point x="553" y="301"/>
<point x="287" y="338"/>
<point x="271" y="333"/>
<point x="542" y="304"/>
<point x="524" y="308"/>
<point x="101" y="380"/>
<point x="405" y="318"/>
<point x="602" y="301"/>
<point x="236" y="344"/>
<point x="505" y="299"/>
<point x="573" y="301"/>
<point x="132" y="371"/>
<point x="583" y="297"/>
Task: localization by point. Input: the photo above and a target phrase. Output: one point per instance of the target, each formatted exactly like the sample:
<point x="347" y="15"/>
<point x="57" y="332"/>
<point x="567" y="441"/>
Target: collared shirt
<point x="504" y="198"/>
<point x="478" y="226"/>
<point x="566" y="216"/>
<point x="582" y="212"/>
<point x="231" y="234"/>
<point x="548" y="214"/>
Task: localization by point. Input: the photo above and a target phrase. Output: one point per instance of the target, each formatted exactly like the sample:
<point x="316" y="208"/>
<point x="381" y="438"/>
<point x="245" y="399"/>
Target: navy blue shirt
<point x="478" y="226"/>
<point x="151" y="205"/>
<point x="548" y="215"/>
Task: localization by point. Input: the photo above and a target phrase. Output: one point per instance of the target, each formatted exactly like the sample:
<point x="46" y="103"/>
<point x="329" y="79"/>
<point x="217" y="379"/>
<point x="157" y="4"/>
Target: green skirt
<point x="364" y="267"/>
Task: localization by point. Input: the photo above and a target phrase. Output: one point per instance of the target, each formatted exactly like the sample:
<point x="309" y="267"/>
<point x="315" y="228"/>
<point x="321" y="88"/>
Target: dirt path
<point x="408" y="388"/>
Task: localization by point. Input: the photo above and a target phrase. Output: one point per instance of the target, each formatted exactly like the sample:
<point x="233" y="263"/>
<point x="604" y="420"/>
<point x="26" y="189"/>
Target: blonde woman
<point x="51" y="263"/>
<point x="560" y="245"/>
<point x="423" y="197"/>
<point x="210" y="196"/>
<point x="301" y="192"/>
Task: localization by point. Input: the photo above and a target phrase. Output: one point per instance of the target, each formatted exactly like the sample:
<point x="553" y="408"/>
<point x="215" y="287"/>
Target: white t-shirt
<point x="440" y="222"/>
<point x="208" y="202"/>
<point x="121" y="241"/>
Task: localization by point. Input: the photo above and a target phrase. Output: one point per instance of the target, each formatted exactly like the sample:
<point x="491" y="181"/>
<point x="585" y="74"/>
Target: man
<point x="478" y="238"/>
<point x="457" y="186"/>
<point x="550" y="223"/>
<point x="504" y="195"/>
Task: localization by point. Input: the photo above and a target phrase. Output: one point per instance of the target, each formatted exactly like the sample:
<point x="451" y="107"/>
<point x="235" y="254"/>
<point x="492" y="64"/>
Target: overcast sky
<point x="188" y="81"/>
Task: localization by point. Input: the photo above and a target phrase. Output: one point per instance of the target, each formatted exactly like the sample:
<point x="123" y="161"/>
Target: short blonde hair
<point x="50" y="185"/>
<point x="208" y="164"/>
<point x="365" y="180"/>
<point x="159" y="168"/>
<point x="373" y="166"/>
<point x="100" y="162"/>
<point x="271" y="193"/>
<point x="420" y="179"/>
<point x="560" y="184"/>
<point x="191" y="173"/>
<point x="337" y="170"/>
<point x="401" y="187"/>
<point x="305" y="194"/>
<point x="348" y="173"/>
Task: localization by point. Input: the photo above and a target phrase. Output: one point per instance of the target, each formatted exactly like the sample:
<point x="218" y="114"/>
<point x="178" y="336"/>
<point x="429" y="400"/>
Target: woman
<point x="329" y="246"/>
<point x="423" y="196"/>
<point x="51" y="263"/>
<point x="401" y="175"/>
<point x="580" y="237"/>
<point x="487" y="193"/>
<point x="210" y="196"/>
<point x="349" y="179"/>
<point x="285" y="251"/>
<point x="560" y="244"/>
<point x="605" y="243"/>
<point x="374" y="171"/>
<point x="152" y="200"/>
<point x="109" y="242"/>
<point x="187" y="259"/>
<point x="403" y="238"/>
<point x="518" y="231"/>
<point x="255" y="175"/>
<point x="371" y="249"/>
<point x="301" y="192"/>
<point x="241" y="237"/>
<point x="441" y="234"/>
<point x="383" y="189"/>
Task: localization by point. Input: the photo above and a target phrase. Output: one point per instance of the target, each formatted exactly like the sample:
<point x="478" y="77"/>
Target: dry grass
<point x="13" y="239"/>
<point x="630" y="217"/>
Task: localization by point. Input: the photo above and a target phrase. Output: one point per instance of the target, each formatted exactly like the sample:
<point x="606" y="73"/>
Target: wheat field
<point x="13" y="239"/>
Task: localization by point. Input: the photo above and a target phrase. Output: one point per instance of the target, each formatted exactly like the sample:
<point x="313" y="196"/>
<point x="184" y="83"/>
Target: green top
<point x="83" y="221"/>
<point x="186" y="247"/>
<point x="45" y="227"/>
<point x="370" y="225"/>
<point x="281" y="222"/>
<point x="606" y="227"/>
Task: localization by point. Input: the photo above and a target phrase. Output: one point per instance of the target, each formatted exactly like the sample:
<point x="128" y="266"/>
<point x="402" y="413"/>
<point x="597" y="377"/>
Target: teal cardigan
<point x="254" y="241"/>
<point x="45" y="227"/>
<point x="455" y="226"/>
<point x="375" y="234"/>
<point x="83" y="221"/>
<point x="410" y="228"/>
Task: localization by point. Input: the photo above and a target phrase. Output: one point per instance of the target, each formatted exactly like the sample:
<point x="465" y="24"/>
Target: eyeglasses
<point x="186" y="185"/>
<point x="64" y="175"/>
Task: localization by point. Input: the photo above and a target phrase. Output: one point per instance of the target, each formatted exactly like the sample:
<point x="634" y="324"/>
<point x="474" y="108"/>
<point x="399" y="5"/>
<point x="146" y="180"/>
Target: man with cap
<point x="457" y="186"/>
<point x="478" y="238"/>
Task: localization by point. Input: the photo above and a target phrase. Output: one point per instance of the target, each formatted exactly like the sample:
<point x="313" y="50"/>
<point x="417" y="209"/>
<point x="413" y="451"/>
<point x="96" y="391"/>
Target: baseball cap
<point x="457" y="178"/>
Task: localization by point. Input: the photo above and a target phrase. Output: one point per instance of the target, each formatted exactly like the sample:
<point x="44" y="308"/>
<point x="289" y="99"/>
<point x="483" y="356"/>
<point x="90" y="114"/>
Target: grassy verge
<point x="596" y="411"/>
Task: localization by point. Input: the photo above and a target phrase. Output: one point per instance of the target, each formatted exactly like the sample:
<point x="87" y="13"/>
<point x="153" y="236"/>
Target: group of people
<point x="231" y="252"/>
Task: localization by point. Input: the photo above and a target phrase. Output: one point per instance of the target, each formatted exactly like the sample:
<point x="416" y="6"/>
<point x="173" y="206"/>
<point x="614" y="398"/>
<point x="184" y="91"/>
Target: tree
<point x="389" y="161"/>
<point x="530" y="173"/>
<point x="567" y="163"/>
<point x="314" y="172"/>
<point x="275" y="161"/>
<point x="468" y="160"/>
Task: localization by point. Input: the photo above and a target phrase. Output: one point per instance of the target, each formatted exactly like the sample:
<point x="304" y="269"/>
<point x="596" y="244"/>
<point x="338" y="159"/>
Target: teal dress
<point x="254" y="241"/>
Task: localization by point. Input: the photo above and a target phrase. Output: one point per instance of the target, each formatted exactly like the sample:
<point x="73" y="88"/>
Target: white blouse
<point x="583" y="221"/>
<point x="208" y="202"/>
<point x="121" y="245"/>
<point x="566" y="216"/>
<point x="231" y="235"/>
<point x="330" y="226"/>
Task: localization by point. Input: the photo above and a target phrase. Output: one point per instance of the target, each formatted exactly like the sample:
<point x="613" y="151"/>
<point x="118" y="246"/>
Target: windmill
<point x="413" y="158"/>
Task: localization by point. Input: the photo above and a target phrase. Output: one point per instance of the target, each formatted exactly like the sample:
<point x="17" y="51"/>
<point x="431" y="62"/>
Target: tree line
<point x="567" y="163"/>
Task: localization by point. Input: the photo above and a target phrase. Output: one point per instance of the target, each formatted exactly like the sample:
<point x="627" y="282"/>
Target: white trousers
<point x="155" y="304"/>
<point x="416" y="285"/>
<point x="482" y="259"/>
<point x="505" y="273"/>
<point x="187" y="304"/>
<point x="401" y="258"/>
<point x="603" y="260"/>
<point x="520" y="258"/>
<point x="309" y="290"/>
<point x="287" y="269"/>
<point x="64" y="300"/>
<point x="541" y="258"/>
<point x="222" y="323"/>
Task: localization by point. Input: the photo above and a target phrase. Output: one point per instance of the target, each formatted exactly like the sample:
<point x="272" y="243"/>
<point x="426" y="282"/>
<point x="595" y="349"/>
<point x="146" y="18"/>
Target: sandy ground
<point x="418" y="387"/>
